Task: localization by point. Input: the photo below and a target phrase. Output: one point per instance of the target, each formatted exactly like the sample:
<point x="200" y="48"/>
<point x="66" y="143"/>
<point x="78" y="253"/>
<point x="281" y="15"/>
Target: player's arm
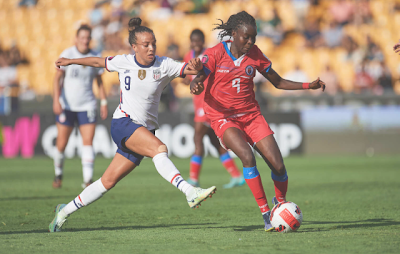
<point x="103" y="98"/>
<point x="284" y="84"/>
<point x="193" y="67"/>
<point x="57" y="109"/>
<point x="197" y="86"/>
<point x="98" y="62"/>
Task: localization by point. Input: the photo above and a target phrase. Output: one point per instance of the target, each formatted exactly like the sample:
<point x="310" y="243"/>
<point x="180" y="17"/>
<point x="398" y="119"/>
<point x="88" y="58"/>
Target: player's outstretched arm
<point x="284" y="84"/>
<point x="197" y="86"/>
<point x="98" y="62"/>
<point x="194" y="66"/>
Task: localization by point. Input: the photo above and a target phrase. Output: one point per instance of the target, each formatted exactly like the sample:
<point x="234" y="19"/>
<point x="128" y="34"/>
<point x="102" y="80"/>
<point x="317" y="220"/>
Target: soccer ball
<point x="286" y="217"/>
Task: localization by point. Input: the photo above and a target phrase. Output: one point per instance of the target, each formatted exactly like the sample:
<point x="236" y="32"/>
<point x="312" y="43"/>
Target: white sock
<point x="92" y="193"/>
<point x="169" y="172"/>
<point x="58" y="162"/>
<point x="87" y="163"/>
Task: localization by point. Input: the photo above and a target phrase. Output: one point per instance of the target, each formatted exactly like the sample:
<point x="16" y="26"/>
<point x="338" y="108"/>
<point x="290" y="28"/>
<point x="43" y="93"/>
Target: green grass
<point x="350" y="205"/>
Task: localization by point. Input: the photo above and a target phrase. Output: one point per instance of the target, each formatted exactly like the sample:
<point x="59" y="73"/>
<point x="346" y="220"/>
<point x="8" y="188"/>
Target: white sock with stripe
<point x="87" y="163"/>
<point x="169" y="172"/>
<point x="58" y="158"/>
<point x="92" y="193"/>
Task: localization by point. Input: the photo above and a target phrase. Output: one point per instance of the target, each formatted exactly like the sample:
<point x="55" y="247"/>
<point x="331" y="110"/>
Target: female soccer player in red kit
<point x="229" y="102"/>
<point x="202" y="126"/>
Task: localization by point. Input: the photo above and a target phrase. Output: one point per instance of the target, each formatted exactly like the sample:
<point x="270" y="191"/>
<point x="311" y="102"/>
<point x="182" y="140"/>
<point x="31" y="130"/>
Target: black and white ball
<point x="286" y="217"/>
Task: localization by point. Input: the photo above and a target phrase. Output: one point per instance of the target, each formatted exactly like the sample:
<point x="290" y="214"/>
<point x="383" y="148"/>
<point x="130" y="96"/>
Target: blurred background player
<point x="229" y="102"/>
<point x="202" y="125"/>
<point x="143" y="77"/>
<point x="74" y="103"/>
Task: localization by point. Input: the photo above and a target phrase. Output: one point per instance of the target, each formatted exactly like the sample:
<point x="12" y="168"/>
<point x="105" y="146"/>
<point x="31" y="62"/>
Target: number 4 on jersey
<point x="236" y="83"/>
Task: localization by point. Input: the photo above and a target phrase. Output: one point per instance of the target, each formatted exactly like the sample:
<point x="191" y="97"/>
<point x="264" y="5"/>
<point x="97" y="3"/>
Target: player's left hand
<point x="196" y="89"/>
<point x="62" y="62"/>
<point x="317" y="84"/>
<point x="103" y="112"/>
<point x="195" y="64"/>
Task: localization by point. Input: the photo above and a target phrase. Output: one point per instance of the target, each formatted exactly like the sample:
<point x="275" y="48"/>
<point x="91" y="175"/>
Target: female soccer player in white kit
<point x="143" y="76"/>
<point x="75" y="103"/>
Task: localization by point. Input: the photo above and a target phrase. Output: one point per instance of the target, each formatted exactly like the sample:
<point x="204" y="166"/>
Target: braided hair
<point x="233" y="23"/>
<point x="135" y="27"/>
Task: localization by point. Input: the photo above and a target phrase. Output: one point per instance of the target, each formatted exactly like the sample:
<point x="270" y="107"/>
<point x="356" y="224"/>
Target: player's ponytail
<point x="233" y="23"/>
<point x="135" y="27"/>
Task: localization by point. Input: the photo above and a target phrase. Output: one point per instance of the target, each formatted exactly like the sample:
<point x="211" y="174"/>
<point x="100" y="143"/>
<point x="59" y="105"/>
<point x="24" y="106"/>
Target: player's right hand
<point x="57" y="109"/>
<point x="196" y="88"/>
<point x="62" y="62"/>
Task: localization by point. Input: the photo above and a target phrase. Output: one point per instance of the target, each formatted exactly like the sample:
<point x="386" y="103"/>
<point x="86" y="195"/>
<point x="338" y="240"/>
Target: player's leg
<point x="147" y="144"/>
<point x="269" y="150"/>
<point x="65" y="126"/>
<point x="87" y="132"/>
<point x="260" y="134"/>
<point x="197" y="159"/>
<point x="226" y="160"/>
<point x="87" y="126"/>
<point x="119" y="167"/>
<point x="235" y="140"/>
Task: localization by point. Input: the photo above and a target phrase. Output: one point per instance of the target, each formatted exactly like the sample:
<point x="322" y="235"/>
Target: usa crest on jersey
<point x="249" y="70"/>
<point x="156" y="74"/>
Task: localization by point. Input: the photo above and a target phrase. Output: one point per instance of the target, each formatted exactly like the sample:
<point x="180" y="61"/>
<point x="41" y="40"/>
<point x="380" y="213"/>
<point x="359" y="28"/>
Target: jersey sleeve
<point x="174" y="68"/>
<point x="115" y="63"/>
<point x="208" y="61"/>
<point x="264" y="64"/>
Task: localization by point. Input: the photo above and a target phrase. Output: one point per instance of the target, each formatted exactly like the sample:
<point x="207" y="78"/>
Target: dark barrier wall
<point x="35" y="134"/>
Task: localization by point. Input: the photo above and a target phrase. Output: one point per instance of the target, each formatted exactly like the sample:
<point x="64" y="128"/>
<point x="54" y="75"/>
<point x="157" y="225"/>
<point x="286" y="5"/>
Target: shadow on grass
<point x="341" y="225"/>
<point x="330" y="225"/>
<point x="36" y="198"/>
<point x="109" y="228"/>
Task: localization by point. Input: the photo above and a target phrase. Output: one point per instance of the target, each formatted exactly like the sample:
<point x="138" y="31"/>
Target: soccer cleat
<point x="57" y="182"/>
<point x="59" y="219"/>
<point x="198" y="195"/>
<point x="194" y="183"/>
<point x="235" y="182"/>
<point x="275" y="201"/>
<point x="84" y="185"/>
<point x="268" y="227"/>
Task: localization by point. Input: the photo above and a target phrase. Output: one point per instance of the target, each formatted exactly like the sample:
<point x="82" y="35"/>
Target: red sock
<point x="231" y="167"/>
<point x="280" y="190"/>
<point x="257" y="189"/>
<point x="195" y="167"/>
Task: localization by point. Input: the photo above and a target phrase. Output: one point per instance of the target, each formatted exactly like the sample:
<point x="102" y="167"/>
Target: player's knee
<point x="248" y="159"/>
<point x="280" y="168"/>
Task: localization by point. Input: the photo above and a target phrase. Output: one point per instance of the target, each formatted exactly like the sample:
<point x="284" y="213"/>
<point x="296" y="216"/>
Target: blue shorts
<point x="69" y="118"/>
<point x="121" y="130"/>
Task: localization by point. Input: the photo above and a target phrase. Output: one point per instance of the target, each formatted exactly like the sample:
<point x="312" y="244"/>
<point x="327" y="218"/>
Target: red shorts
<point x="199" y="114"/>
<point x="253" y="125"/>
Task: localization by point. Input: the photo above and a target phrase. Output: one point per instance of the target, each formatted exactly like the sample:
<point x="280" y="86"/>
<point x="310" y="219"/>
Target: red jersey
<point x="197" y="99"/>
<point x="229" y="85"/>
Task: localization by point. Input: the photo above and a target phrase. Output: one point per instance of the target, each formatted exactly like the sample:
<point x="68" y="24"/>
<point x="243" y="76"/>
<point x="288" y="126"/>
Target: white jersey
<point x="77" y="91"/>
<point x="141" y="86"/>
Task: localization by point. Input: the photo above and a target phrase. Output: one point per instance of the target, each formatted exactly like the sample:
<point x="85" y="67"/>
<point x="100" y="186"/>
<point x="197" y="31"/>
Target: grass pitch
<point x="349" y="204"/>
